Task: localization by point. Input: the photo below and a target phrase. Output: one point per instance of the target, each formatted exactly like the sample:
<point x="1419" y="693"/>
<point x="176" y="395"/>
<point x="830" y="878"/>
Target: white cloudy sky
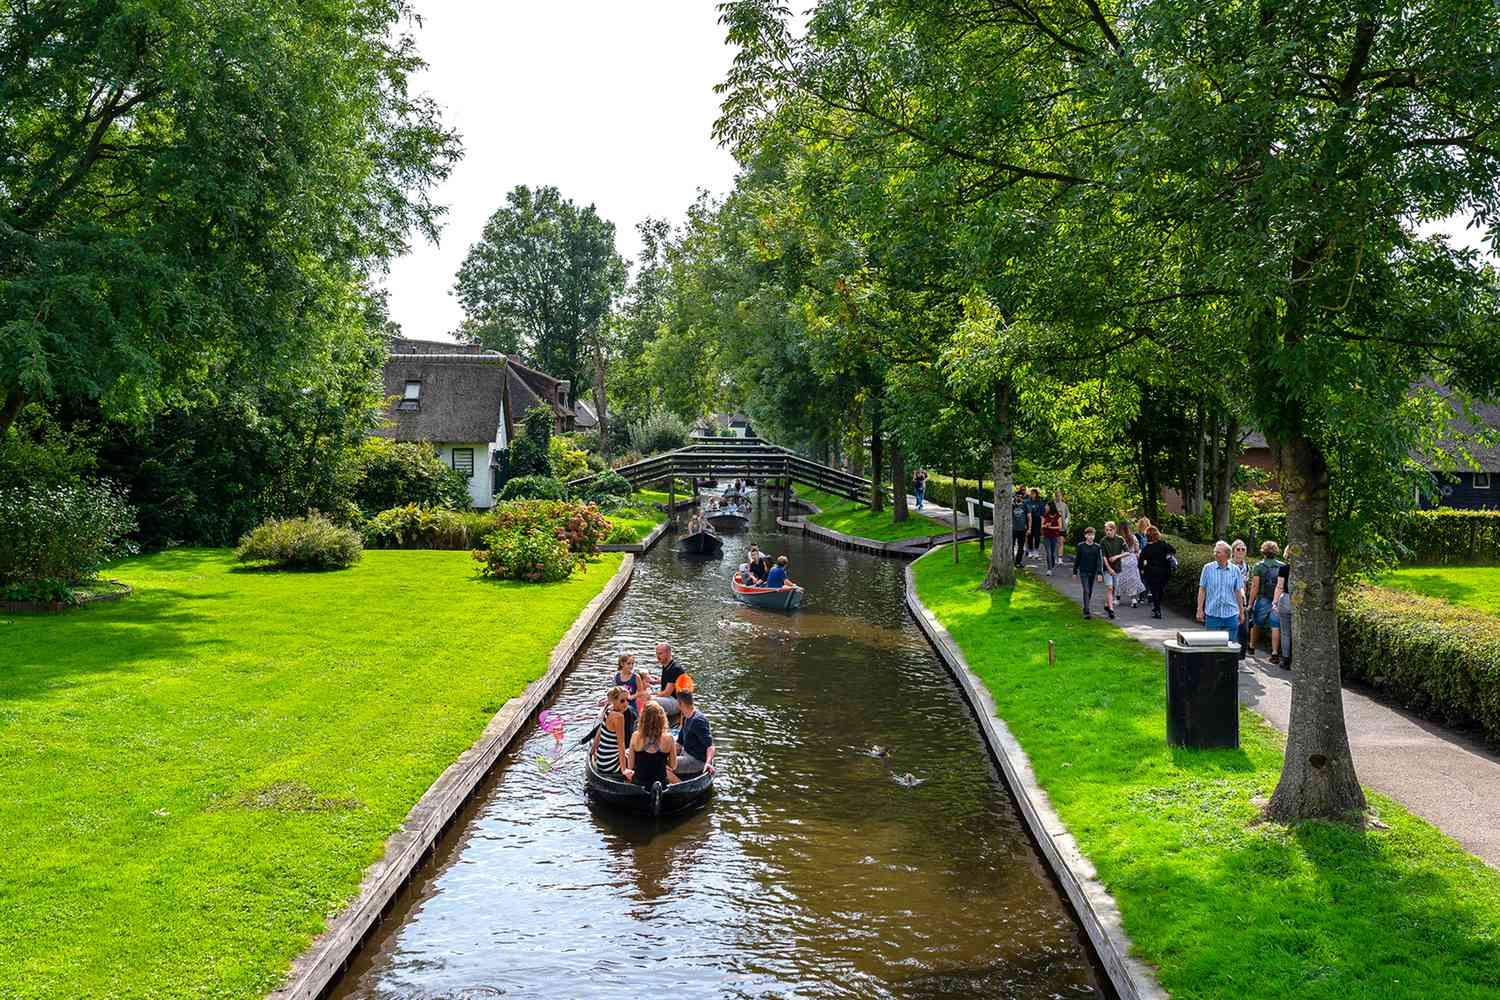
<point x="611" y="101"/>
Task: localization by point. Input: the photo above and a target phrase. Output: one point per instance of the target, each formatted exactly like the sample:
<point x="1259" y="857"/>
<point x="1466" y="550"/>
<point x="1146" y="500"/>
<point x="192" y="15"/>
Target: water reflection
<point x="812" y="873"/>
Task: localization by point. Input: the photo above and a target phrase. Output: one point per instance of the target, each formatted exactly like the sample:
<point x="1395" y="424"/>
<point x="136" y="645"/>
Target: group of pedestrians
<point x="1246" y="600"/>
<point x="1134" y="564"/>
<point x="1038" y="525"/>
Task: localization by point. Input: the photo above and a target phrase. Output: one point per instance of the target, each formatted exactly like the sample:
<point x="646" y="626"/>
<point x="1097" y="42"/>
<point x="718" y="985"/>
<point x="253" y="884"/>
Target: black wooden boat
<point x="658" y="800"/>
<point x="701" y="543"/>
<point x="774" y="599"/>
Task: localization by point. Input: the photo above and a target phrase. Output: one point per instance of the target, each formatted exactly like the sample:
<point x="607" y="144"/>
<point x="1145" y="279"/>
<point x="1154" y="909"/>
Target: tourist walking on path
<point x="1052" y="535"/>
<point x="1238" y="558"/>
<point x="1128" y="582"/>
<point x="1114" y="548"/>
<point x="919" y="486"/>
<point x="1157" y="561"/>
<point x="1263" y="614"/>
<point x="1035" y="508"/>
<point x="1020" y="524"/>
<point x="1221" y="593"/>
<point x="1062" y="508"/>
<point x="1088" y="563"/>
<point x="1281" y="639"/>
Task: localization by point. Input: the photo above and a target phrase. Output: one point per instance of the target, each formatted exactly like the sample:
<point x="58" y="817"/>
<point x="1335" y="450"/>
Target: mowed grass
<point x="1222" y="905"/>
<point x="1475" y="587"/>
<point x="854" y="518"/>
<point x="195" y="778"/>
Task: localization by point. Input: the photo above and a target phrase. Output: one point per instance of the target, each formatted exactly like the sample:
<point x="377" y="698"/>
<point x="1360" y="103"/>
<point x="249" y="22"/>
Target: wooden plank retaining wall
<point x="315" y="971"/>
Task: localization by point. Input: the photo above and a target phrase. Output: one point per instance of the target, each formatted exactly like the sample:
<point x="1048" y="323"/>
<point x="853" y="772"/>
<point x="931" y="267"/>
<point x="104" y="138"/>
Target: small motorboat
<point x="729" y="516"/>
<point x="658" y="800"/>
<point x="774" y="599"/>
<point x="701" y="543"/>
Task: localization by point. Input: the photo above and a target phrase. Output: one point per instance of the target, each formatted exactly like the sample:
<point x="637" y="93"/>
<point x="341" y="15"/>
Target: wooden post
<point x="1051" y="654"/>
<point x="979" y="496"/>
<point x="954" y="498"/>
<point x="672" y="501"/>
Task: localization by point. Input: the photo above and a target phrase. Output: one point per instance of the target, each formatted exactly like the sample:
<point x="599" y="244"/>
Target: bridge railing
<point x="739" y="458"/>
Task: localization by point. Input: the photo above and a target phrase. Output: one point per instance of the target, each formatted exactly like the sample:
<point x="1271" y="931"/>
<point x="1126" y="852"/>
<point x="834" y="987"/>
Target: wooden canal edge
<point x="906" y="548"/>
<point x="1096" y="909"/>
<point x="315" y="971"/>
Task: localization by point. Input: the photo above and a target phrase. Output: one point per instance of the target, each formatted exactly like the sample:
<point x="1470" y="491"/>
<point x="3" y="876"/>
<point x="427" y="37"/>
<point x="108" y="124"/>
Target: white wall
<point x="481" y="492"/>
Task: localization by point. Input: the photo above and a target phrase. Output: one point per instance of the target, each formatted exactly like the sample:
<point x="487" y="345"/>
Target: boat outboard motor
<point x="656" y="798"/>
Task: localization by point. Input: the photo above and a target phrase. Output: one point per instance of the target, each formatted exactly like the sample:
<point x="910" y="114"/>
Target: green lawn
<point x="1224" y="907"/>
<point x="854" y="518"/>
<point x="196" y="777"/>
<point x="1475" y="587"/>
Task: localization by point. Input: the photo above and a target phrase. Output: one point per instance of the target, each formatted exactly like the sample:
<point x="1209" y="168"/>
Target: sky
<point x="610" y="101"/>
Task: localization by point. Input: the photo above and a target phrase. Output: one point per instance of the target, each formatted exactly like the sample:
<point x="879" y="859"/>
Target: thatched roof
<point x="462" y="397"/>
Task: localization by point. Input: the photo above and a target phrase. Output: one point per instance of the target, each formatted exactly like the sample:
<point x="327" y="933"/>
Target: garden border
<point x="58" y="607"/>
<point x="644" y="545"/>
<point x="1096" y="908"/>
<point x="320" y="965"/>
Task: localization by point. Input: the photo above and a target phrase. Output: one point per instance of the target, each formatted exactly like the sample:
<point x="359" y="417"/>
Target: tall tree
<point x="544" y="275"/>
<point x="185" y="186"/>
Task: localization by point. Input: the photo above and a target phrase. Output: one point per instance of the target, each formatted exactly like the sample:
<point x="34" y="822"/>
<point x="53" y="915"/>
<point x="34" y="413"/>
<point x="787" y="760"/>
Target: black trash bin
<point x="1203" y="703"/>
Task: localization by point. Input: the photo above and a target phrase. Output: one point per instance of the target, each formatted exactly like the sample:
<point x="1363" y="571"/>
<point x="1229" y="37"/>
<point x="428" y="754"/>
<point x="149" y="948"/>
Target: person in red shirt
<point x="1052" y="535"/>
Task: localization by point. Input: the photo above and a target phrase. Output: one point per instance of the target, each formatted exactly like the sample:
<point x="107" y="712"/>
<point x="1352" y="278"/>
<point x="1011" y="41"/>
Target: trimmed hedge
<point x="1453" y="536"/>
<point x="1439" y="659"/>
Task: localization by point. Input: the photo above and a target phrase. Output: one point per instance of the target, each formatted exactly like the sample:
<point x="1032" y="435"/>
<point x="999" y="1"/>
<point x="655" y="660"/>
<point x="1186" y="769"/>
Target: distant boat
<point x="731" y="517"/>
<point x="701" y="543"/>
<point x="658" y="800"/>
<point x="774" y="599"/>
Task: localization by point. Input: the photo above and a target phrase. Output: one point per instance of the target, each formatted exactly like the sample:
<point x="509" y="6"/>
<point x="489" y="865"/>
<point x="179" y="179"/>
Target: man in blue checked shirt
<point x="1221" y="593"/>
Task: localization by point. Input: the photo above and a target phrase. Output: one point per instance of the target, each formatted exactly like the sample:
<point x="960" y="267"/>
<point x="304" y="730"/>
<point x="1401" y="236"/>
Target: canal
<point x="813" y="873"/>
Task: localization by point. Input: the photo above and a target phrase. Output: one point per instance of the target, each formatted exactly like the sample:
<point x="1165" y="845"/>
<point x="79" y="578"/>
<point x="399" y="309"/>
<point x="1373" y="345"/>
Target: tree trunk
<point x="11" y="409"/>
<point x="1152" y="497"/>
<point x="1002" y="572"/>
<point x="877" y="491"/>
<point x="898" y="483"/>
<point x="1224" y="469"/>
<point x="600" y="402"/>
<point x="1317" y="777"/>
<point x="1196" y="507"/>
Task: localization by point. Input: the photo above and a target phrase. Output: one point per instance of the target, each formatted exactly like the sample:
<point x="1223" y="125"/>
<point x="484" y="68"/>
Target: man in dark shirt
<point x="695" y="741"/>
<point x="1020" y="524"/>
<point x="1088" y="561"/>
<point x="1035" y="508"/>
<point x="670" y="673"/>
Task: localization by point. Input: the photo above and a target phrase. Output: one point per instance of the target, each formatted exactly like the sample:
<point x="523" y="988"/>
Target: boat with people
<point x="772" y="598"/>
<point x="658" y="800"/>
<point x="730" y="516"/>
<point x="703" y="542"/>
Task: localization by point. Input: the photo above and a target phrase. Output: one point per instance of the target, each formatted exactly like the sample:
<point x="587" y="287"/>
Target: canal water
<point x="813" y="873"/>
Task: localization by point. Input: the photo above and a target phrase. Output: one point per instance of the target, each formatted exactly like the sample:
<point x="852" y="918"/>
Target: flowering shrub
<point x="535" y="556"/>
<point x="581" y="526"/>
<point x="53" y="537"/>
<point x="533" y="488"/>
<point x="311" y="542"/>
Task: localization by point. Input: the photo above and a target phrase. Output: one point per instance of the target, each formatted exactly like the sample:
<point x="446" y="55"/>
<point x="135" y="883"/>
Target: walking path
<point x="1446" y="778"/>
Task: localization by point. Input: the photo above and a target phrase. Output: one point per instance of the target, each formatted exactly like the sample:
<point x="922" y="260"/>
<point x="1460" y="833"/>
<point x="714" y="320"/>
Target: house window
<point x="411" y="396"/>
<point x="1481" y="480"/>
<point x="463" y="461"/>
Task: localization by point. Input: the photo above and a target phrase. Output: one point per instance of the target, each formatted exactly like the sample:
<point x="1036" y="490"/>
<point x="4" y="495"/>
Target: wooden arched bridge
<point x="751" y="459"/>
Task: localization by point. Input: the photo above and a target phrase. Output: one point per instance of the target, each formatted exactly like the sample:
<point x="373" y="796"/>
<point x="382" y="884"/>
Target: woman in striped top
<point x="609" y="737"/>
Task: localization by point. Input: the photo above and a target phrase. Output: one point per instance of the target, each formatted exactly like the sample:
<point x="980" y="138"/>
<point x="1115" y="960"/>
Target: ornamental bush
<point x="533" y="488"/>
<point x="55" y="537"/>
<point x="393" y="473"/>
<point x="580" y="526"/>
<point x="661" y="431"/>
<point x="565" y="461"/>
<point x="311" y="542"/>
<point x="529" y="555"/>
<point x="608" y="484"/>
<point x="1439" y="659"/>
<point x="416" y="527"/>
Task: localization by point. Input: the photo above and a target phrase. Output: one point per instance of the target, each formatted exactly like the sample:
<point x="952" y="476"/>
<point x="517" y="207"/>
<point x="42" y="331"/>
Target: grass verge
<point x="197" y="776"/>
<point x="852" y="518"/>
<point x="1221" y="905"/>
<point x="1476" y="587"/>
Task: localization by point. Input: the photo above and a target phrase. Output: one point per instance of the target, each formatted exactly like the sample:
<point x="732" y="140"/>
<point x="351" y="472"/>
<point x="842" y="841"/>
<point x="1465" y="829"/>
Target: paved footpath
<point x="1446" y="778"/>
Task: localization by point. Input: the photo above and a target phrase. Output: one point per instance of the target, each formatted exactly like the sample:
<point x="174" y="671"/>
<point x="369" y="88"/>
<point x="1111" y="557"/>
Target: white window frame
<point x="412" y="390"/>
<point x="1481" y="480"/>
<point x="453" y="460"/>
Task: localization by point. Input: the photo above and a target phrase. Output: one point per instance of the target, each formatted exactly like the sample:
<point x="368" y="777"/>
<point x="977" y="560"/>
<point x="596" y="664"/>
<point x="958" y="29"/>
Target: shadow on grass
<point x="57" y="652"/>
